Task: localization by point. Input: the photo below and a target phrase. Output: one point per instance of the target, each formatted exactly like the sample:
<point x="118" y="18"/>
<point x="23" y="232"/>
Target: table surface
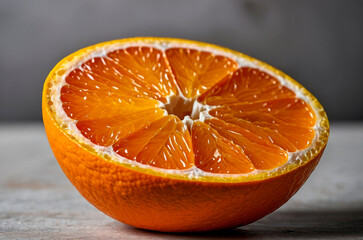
<point x="38" y="202"/>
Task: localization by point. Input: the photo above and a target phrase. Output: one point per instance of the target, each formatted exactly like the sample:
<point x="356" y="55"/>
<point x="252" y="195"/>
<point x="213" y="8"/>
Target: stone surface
<point x="38" y="202"/>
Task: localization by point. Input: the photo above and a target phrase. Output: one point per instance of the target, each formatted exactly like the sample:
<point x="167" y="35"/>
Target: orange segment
<point x="265" y="133"/>
<point x="148" y="66"/>
<point x="105" y="75"/>
<point x="246" y="85"/>
<point x="197" y="71"/>
<point x="286" y="122"/>
<point x="260" y="152"/>
<point x="301" y="137"/>
<point x="106" y="131"/>
<point x="85" y="104"/>
<point x="215" y="153"/>
<point x="287" y="111"/>
<point x="165" y="143"/>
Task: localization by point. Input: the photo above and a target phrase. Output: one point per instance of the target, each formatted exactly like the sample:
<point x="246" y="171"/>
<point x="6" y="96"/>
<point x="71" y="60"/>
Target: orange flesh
<point x="255" y="121"/>
<point x="197" y="71"/>
<point x="165" y="143"/>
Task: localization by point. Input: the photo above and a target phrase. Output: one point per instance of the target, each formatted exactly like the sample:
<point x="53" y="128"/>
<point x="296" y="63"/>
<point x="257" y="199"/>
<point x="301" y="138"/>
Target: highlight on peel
<point x="176" y="135"/>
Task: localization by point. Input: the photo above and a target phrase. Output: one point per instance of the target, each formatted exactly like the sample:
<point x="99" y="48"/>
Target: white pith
<point x="199" y="111"/>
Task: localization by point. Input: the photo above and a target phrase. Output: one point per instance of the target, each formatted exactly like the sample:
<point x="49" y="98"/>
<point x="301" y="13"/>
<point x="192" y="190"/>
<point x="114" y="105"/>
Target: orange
<point x="175" y="135"/>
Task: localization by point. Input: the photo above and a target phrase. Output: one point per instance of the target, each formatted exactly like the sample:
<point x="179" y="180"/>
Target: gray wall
<point x="319" y="43"/>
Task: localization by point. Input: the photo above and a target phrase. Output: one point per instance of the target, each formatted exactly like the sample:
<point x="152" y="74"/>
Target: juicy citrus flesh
<point x="252" y="121"/>
<point x="176" y="135"/>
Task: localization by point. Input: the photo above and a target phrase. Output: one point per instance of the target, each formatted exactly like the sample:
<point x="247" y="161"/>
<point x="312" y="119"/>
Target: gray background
<point x="319" y="43"/>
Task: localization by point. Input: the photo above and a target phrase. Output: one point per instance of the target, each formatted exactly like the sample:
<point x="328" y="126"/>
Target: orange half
<point x="149" y="127"/>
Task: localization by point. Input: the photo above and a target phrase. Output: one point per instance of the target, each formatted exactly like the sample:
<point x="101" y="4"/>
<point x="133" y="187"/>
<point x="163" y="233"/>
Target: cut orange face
<point x="176" y="135"/>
